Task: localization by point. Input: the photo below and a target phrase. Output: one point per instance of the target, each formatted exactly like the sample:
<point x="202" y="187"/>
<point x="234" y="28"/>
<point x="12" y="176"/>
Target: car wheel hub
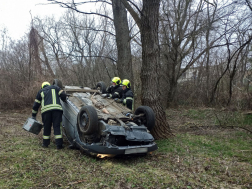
<point x="84" y="122"/>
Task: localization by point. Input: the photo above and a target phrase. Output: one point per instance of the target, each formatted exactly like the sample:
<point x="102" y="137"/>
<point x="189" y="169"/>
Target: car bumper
<point x="99" y="150"/>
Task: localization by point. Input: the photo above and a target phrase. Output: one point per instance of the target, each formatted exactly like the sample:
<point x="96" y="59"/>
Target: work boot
<point x="44" y="146"/>
<point x="60" y="147"/>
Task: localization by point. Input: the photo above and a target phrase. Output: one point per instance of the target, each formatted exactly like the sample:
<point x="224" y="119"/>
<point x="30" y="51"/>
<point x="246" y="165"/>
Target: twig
<point x="226" y="172"/>
<point x="79" y="181"/>
<point x="232" y="126"/>
<point x="223" y="126"/>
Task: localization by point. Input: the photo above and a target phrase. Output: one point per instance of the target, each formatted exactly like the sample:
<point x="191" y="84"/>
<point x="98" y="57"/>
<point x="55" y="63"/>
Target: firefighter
<point x="127" y="95"/>
<point x="49" y="99"/>
<point x="115" y="90"/>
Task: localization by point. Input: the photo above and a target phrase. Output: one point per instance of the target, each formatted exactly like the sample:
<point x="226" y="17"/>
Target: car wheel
<point x="87" y="120"/>
<point x="58" y="83"/>
<point x="101" y="86"/>
<point x="148" y="119"/>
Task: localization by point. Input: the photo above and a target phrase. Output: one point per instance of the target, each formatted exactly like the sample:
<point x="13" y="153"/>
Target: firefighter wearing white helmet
<point x="49" y="99"/>
<point x="115" y="90"/>
<point x="127" y="95"/>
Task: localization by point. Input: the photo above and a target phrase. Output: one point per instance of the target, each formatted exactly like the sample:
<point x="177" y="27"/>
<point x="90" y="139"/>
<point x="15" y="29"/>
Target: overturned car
<point x="102" y="127"/>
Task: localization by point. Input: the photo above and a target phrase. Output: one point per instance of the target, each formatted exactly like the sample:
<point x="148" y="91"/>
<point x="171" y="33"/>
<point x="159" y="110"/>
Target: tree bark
<point x="150" y="67"/>
<point x="34" y="51"/>
<point x="124" y="63"/>
<point x="42" y="48"/>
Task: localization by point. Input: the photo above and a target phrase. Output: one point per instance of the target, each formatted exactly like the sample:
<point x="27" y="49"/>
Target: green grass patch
<point x="230" y="146"/>
<point x="196" y="114"/>
<point x="218" y="159"/>
<point x="247" y="120"/>
<point x="233" y="119"/>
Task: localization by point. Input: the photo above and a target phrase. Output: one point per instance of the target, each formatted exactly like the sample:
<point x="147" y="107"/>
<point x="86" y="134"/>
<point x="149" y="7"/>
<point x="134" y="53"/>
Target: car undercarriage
<point x="102" y="127"/>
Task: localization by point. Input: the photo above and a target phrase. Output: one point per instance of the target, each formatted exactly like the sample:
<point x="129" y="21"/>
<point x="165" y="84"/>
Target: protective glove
<point x="34" y="117"/>
<point x="118" y="100"/>
<point x="107" y="95"/>
<point x="104" y="95"/>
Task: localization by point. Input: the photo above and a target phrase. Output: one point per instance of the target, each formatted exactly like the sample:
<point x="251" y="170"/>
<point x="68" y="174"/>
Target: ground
<point x="211" y="149"/>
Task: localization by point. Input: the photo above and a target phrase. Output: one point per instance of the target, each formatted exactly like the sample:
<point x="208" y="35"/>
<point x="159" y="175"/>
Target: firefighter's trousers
<point x="49" y="118"/>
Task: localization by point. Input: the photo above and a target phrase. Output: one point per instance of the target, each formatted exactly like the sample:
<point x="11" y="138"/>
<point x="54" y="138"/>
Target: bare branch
<point x="93" y="29"/>
<point x="133" y="13"/>
<point x="94" y="57"/>
<point x="66" y="5"/>
<point x="136" y="7"/>
<point x="249" y="4"/>
<point x="98" y="1"/>
<point x="210" y="3"/>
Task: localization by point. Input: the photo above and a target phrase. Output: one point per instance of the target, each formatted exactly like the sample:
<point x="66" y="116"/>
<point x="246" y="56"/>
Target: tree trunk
<point x="34" y="51"/>
<point x="172" y="91"/>
<point x="42" y="48"/>
<point x="150" y="67"/>
<point x="124" y="63"/>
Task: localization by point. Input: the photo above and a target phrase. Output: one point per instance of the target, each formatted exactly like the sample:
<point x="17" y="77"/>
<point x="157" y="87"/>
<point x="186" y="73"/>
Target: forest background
<point x="189" y="53"/>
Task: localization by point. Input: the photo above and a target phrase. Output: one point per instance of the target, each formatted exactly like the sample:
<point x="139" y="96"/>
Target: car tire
<point x="87" y="120"/>
<point x="149" y="117"/>
<point x="101" y="86"/>
<point x="58" y="83"/>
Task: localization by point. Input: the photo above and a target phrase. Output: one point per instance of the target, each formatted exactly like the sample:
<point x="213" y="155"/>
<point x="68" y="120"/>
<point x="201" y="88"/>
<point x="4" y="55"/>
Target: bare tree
<point x="148" y="22"/>
<point x="34" y="61"/>
<point x="183" y="24"/>
<point x="123" y="40"/>
<point x="124" y="62"/>
<point x="46" y="61"/>
<point x="231" y="55"/>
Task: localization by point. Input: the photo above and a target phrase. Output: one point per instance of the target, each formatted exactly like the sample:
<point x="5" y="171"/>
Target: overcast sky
<point x="15" y="14"/>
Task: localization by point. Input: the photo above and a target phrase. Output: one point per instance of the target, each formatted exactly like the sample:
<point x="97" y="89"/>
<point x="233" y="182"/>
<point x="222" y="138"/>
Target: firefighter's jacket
<point x="49" y="99"/>
<point x="127" y="98"/>
<point x="115" y="91"/>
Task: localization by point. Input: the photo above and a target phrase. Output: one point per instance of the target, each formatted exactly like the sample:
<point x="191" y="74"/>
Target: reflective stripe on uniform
<point x="37" y="101"/>
<point x="34" y="112"/>
<point x="129" y="98"/>
<point x="110" y="95"/>
<point x="51" y="107"/>
<point x="116" y="93"/>
<point x="43" y="101"/>
<point x="53" y="96"/>
<point x="60" y="92"/>
<point x="58" y="136"/>
<point x="46" y="137"/>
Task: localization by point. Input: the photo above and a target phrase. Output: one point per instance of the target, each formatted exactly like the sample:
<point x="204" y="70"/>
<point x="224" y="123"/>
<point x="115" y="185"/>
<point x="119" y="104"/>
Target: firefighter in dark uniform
<point x="115" y="90"/>
<point x="127" y="95"/>
<point x="49" y="99"/>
